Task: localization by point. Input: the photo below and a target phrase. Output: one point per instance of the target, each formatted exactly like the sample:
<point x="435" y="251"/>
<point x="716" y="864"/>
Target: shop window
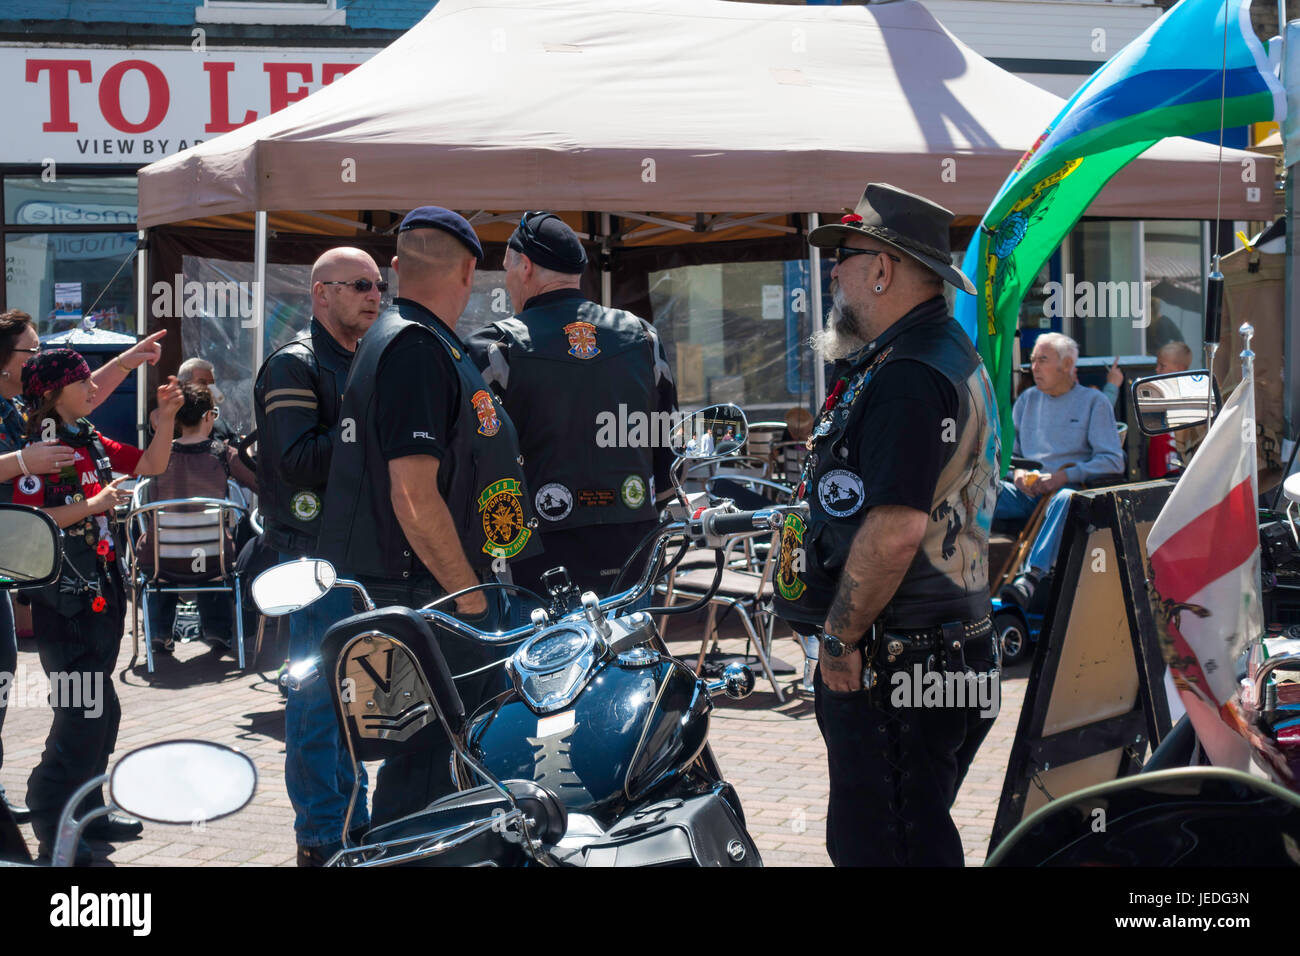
<point x="70" y="279"/>
<point x="737" y="332"/>
<point x="320" y="13"/>
<point x="1101" y="300"/>
<point x="1175" y="273"/>
<point x="107" y="202"/>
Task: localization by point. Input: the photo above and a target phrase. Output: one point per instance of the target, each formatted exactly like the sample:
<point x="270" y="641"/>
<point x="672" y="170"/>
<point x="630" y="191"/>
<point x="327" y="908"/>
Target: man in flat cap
<point x="891" y="566"/>
<point x="562" y="365"/>
<point x="429" y="496"/>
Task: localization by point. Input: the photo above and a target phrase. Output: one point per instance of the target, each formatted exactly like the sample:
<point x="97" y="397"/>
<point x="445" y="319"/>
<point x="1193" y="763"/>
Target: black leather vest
<point x="481" y="478"/>
<point x="582" y="394"/>
<point x="84" y="568"/>
<point x="948" y="579"/>
<point x="292" y="515"/>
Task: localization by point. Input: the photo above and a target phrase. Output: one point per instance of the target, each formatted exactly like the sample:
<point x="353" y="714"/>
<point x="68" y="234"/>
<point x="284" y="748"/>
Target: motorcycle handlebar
<point x="704" y="527"/>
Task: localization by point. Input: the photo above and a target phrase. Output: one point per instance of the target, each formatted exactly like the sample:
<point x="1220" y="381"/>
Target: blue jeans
<point x="317" y="768"/>
<point x="408" y="783"/>
<point x="1014" y="503"/>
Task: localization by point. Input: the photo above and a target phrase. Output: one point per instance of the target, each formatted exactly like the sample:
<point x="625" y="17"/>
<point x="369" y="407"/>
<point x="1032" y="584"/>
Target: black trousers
<point x="409" y="783"/>
<point x="84" y="732"/>
<point x="895" y="771"/>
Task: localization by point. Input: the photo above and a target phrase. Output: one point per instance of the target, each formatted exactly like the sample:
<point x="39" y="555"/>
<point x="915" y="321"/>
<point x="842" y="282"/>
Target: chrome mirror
<point x="1173" y="401"/>
<point x="292" y="586"/>
<point x="183" y="781"/>
<point x="30" y="553"/>
<point x="712" y="432"/>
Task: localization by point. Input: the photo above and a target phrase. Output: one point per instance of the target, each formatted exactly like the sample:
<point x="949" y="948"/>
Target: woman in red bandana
<point x="78" y="620"/>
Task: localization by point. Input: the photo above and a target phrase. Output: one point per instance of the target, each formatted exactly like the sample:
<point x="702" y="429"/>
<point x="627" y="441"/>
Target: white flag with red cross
<point x="1204" y="554"/>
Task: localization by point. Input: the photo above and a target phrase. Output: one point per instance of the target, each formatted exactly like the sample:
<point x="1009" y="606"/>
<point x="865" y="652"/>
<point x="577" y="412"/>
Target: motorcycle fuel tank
<point x="629" y="730"/>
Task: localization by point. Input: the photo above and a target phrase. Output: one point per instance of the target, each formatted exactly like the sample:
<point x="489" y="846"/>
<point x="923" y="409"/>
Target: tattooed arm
<point x="882" y="551"/>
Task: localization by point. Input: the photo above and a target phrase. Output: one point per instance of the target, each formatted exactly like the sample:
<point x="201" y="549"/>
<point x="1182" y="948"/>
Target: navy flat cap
<point x="546" y="239"/>
<point x="435" y="217"/>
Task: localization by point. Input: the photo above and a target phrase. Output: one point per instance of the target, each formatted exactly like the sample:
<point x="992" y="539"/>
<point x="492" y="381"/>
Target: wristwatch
<point x="836" y="647"/>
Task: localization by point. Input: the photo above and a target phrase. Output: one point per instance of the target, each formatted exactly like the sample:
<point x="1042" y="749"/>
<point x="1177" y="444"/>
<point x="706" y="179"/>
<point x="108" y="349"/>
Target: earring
<point x="879" y="289"/>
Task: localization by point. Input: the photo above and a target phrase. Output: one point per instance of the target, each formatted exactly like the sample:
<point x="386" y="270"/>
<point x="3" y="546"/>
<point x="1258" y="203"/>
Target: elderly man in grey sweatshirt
<point x="1071" y="431"/>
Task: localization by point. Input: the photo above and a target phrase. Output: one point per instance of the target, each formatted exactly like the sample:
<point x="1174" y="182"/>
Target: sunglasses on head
<point x="361" y="285"/>
<point x="844" y="253"/>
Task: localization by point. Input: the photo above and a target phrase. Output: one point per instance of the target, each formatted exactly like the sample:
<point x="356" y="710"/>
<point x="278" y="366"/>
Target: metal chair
<point x="186" y="530"/>
<point x="790" y="456"/>
<point x="740" y="590"/>
<point x="760" y="437"/>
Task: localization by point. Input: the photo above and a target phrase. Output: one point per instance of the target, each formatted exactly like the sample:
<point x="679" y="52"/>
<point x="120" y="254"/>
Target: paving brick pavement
<point x="772" y="753"/>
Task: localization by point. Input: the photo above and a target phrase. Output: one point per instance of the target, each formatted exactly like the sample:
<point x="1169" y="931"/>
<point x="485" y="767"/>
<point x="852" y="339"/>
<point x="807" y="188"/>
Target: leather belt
<point x="946" y="639"/>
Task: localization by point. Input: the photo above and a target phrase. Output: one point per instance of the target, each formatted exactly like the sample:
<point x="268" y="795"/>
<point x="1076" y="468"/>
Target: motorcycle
<point x="596" y="755"/>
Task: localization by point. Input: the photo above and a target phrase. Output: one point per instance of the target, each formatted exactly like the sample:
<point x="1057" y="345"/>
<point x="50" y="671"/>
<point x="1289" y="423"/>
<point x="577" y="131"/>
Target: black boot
<point x="113" y="827"/>
<point x="19" y="813"/>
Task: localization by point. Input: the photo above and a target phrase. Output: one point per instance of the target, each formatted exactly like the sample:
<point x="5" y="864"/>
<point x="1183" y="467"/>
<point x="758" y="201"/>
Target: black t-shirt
<point x="416" y="398"/>
<point x="907" y="434"/>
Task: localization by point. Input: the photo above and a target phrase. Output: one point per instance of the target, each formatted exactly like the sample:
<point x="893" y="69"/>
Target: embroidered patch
<point x="633" y="491"/>
<point x="554" y="501"/>
<point x="596" y="497"/>
<point x="582" y="340"/>
<point x="788" y="584"/>
<point x="501" y="506"/>
<point x="488" y="423"/>
<point x="29" y="484"/>
<point x="305" y="505"/>
<point x="840" y="492"/>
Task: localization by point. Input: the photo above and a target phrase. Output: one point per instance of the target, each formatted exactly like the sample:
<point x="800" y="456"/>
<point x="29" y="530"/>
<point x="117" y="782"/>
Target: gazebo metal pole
<point x="259" y="288"/>
<point x="141" y="330"/>
<point x="606" y="280"/>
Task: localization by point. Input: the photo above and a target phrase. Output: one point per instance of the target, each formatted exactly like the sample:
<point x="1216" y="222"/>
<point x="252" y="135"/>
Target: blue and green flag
<point x="1167" y="82"/>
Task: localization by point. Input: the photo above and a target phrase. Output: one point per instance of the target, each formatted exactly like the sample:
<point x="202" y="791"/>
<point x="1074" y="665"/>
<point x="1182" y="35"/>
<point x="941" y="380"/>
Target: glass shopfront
<point x="69" y="245"/>
<point x="738" y="332"/>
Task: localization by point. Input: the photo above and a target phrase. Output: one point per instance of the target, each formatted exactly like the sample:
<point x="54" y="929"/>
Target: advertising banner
<point x="135" y="106"/>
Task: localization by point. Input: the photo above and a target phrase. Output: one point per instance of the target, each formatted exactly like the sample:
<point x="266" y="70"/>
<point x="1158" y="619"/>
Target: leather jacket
<point x="296" y="398"/>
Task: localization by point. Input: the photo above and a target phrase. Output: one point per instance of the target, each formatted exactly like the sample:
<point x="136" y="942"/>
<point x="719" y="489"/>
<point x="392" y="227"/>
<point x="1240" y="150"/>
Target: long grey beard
<point x="840" y="337"/>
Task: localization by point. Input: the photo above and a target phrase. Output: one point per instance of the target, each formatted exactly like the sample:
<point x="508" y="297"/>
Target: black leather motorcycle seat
<point x="478" y="804"/>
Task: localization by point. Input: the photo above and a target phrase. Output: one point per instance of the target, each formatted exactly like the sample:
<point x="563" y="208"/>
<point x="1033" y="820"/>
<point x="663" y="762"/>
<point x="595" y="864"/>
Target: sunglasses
<point x="361" y="285"/>
<point x="845" y="253"/>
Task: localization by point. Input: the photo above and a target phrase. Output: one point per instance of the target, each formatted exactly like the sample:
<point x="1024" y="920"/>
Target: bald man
<point x="297" y="397"/>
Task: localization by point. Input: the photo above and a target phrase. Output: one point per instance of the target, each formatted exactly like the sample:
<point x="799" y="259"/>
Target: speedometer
<point x="549" y="652"/>
<point x="551" y="669"/>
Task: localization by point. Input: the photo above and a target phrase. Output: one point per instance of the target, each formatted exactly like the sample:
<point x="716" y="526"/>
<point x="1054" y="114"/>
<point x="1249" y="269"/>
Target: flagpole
<point x="1213" y="321"/>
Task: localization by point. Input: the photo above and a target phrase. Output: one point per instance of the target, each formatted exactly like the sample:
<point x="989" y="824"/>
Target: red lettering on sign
<point x="219" y="95"/>
<point x="280" y="94"/>
<point x="329" y="72"/>
<point x="110" y="96"/>
<point x="60" y="120"/>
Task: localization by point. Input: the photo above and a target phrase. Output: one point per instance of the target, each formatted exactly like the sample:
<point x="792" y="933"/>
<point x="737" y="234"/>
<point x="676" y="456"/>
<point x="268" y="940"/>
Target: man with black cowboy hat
<point x="427" y="498"/>
<point x="892" y="563"/>
<point x="558" y="364"/>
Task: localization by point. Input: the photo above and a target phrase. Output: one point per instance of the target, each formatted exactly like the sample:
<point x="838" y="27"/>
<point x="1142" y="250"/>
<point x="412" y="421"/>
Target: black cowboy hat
<point x="907" y="222"/>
